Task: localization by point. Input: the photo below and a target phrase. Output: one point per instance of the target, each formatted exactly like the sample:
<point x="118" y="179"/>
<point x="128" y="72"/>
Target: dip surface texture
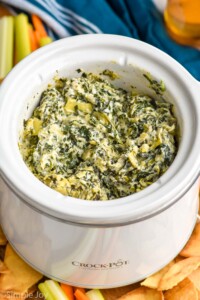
<point x="90" y="140"/>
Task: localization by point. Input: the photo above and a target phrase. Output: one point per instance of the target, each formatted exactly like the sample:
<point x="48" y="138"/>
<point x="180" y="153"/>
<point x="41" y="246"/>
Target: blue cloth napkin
<point x="134" y="18"/>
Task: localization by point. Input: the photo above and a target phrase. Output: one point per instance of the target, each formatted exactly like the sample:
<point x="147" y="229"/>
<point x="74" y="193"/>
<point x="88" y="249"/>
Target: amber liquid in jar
<point x="182" y="18"/>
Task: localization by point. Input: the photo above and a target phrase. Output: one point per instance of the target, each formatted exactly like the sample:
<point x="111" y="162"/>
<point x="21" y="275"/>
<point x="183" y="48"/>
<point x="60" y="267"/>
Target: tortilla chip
<point x="198" y="295"/>
<point x="143" y="293"/>
<point x="21" y="276"/>
<point x="9" y="295"/>
<point x="178" y="272"/>
<point x="3" y="240"/>
<point x="3" y="268"/>
<point x="179" y="258"/>
<point x="185" y="290"/>
<point x="153" y="280"/>
<point x="114" y="293"/>
<point x="194" y="277"/>
<point x="192" y="248"/>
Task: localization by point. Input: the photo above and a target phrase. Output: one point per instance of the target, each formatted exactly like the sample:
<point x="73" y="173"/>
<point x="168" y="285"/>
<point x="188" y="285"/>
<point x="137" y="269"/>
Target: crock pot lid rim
<point x="109" y="40"/>
<point x="102" y="222"/>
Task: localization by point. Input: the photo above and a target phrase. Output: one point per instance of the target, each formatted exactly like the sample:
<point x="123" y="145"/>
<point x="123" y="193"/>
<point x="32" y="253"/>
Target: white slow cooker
<point x="109" y="243"/>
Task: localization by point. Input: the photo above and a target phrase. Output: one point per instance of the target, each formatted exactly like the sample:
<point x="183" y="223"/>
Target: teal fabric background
<point x="134" y="18"/>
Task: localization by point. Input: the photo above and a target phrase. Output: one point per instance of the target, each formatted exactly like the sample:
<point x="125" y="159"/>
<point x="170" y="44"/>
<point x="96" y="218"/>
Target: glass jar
<point x="182" y="18"/>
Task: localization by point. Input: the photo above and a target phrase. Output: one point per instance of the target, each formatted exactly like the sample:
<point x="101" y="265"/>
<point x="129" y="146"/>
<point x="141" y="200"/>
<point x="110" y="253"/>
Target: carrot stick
<point x="37" y="36"/>
<point x="33" y="41"/>
<point x="68" y="289"/>
<point x="81" y="289"/>
<point x="37" y="23"/>
<point x="80" y="295"/>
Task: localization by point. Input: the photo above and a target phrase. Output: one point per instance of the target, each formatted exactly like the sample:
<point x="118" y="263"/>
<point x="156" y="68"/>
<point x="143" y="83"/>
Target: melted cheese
<point x="90" y="140"/>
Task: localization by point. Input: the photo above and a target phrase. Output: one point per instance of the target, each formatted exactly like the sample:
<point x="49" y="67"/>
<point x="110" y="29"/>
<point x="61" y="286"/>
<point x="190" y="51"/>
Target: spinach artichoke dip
<point x="90" y="140"/>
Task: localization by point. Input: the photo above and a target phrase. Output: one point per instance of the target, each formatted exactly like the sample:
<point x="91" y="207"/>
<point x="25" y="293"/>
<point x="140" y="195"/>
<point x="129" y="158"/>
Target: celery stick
<point x="56" y="290"/>
<point x="6" y="45"/>
<point x="45" y="292"/>
<point x="45" y="41"/>
<point x="22" y="40"/>
<point x="95" y="295"/>
<point x="10" y="45"/>
<point x="2" y="49"/>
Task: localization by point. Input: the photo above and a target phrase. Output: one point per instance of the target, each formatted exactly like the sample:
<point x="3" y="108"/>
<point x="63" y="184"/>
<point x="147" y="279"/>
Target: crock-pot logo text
<point x="111" y="265"/>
